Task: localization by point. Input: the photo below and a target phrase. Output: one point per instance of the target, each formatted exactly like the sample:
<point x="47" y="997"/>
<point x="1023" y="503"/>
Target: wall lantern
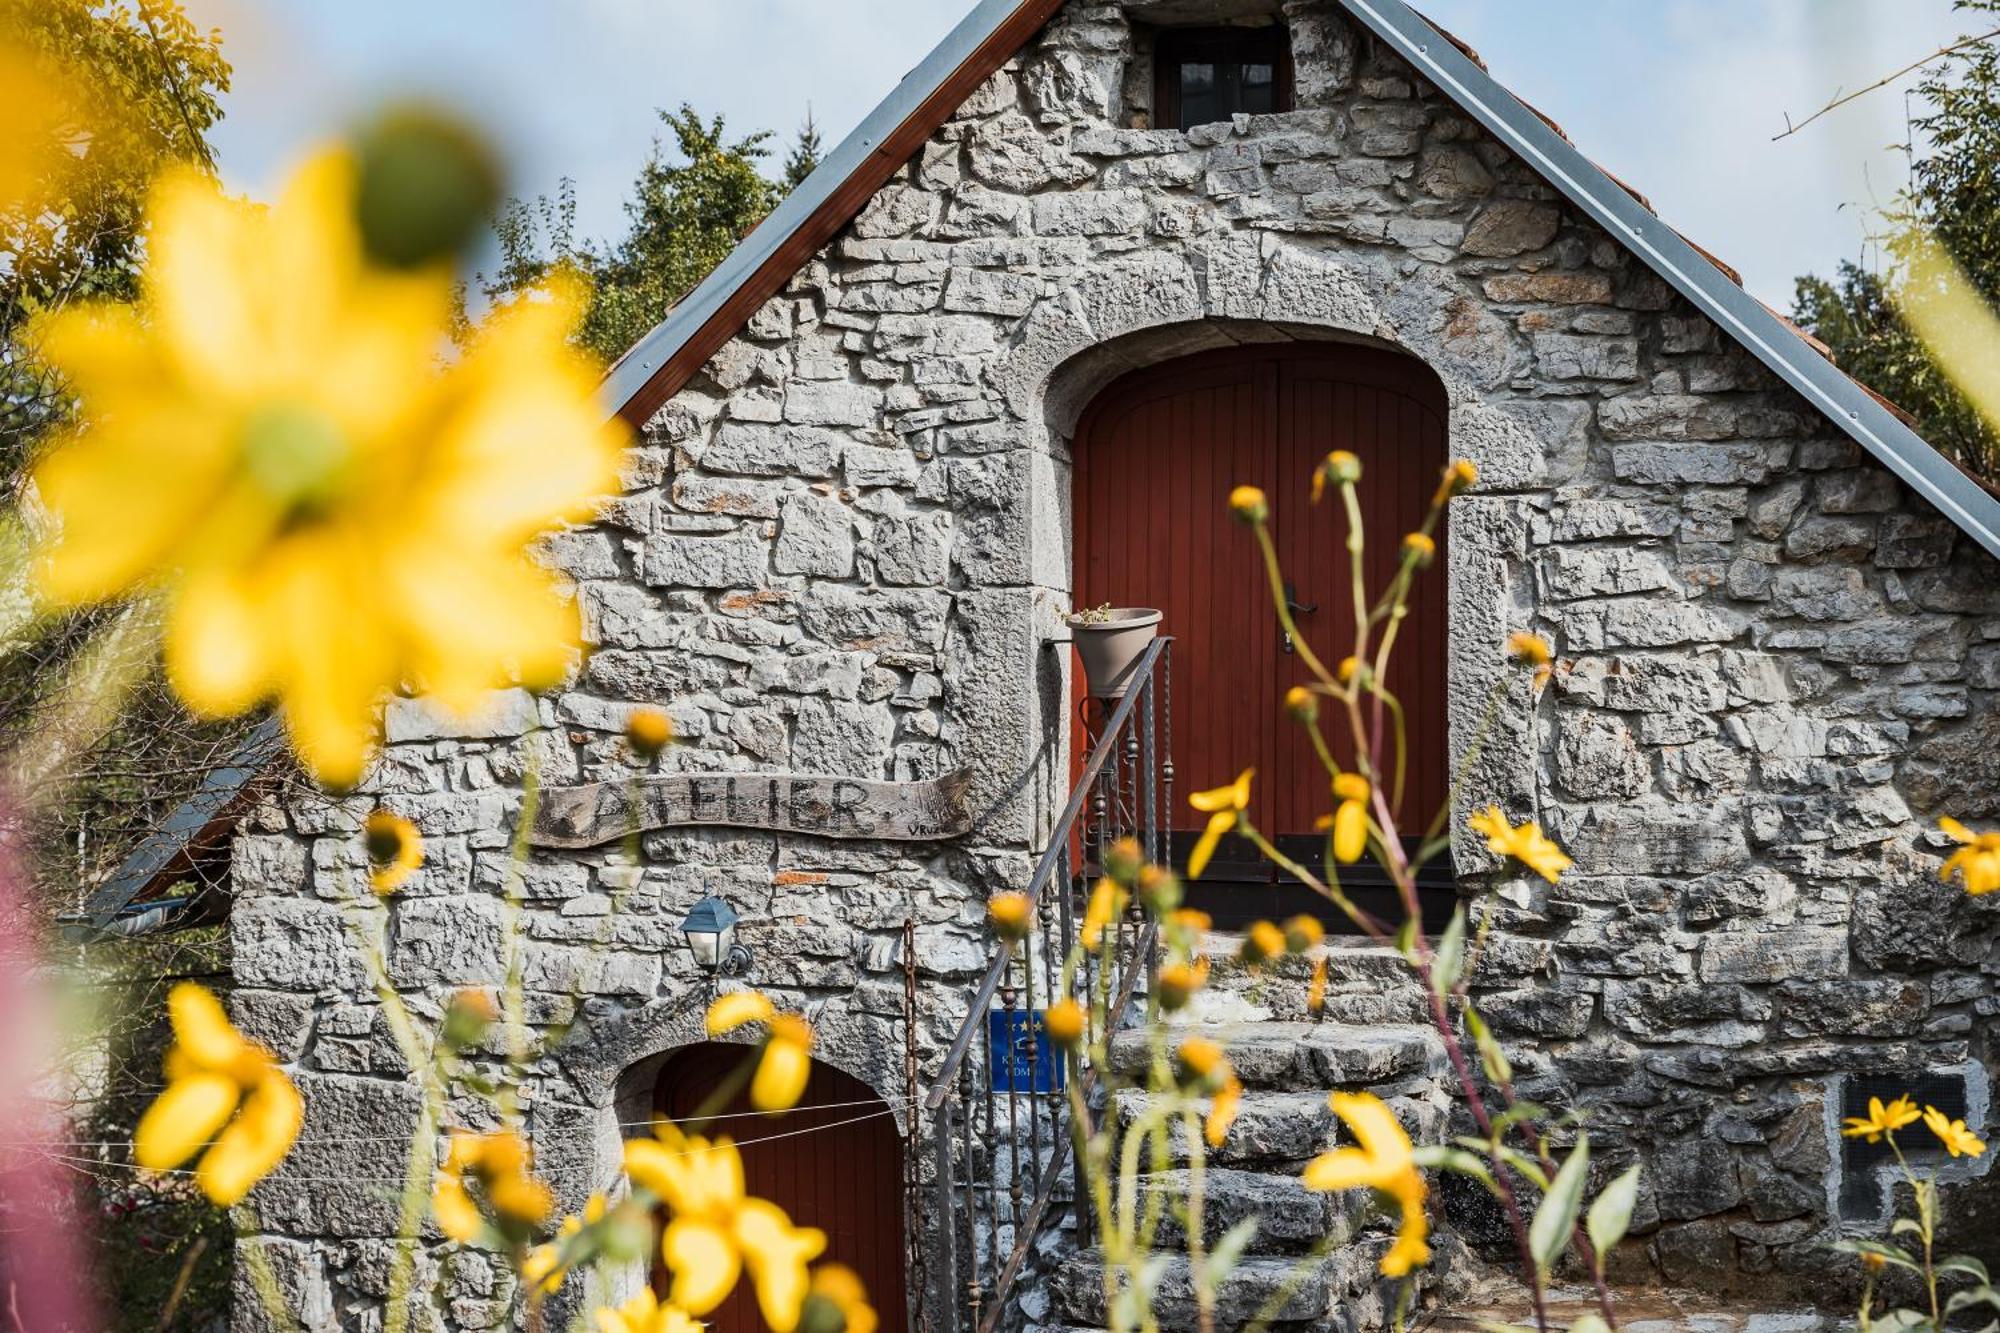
<point x="710" y="928"/>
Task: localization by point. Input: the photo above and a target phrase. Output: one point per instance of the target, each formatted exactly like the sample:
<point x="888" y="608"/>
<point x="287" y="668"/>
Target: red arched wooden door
<point x="833" y="1162"/>
<point x="1156" y="456"/>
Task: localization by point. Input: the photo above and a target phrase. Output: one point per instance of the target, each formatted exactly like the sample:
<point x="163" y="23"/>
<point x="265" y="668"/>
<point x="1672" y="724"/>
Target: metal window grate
<point x="1861" y="1162"/>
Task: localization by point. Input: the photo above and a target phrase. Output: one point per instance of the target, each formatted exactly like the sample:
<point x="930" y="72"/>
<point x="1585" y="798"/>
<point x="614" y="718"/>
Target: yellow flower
<point x="786" y="1062"/>
<point x="1262" y="942"/>
<point x="716" y="1231"/>
<point x="267" y="439"/>
<point x="223" y="1091"/>
<point x="1316" y="988"/>
<point x="1064" y="1021"/>
<point x="1526" y="844"/>
<point x="1340" y="467"/>
<point x="394" y="850"/>
<point x="1383" y="1159"/>
<point x="1012" y="915"/>
<point x="1977" y="863"/>
<point x="1419" y="549"/>
<point x="1179" y="981"/>
<point x="1123" y="860"/>
<point x="1957" y="1139"/>
<point x="1191" y="921"/>
<point x="543" y="1265"/>
<point x="1303" y="932"/>
<point x="1158" y="888"/>
<point x="1529" y="649"/>
<point x="1248" y="504"/>
<point x="1222" y="1109"/>
<point x="498" y="1163"/>
<point x="1458" y="475"/>
<point x="1223" y="806"/>
<point x="1201" y="1057"/>
<point x="1302" y="704"/>
<point x="1881" y="1119"/>
<point x="1350" y="817"/>
<point x="1107" y="900"/>
<point x="837" y="1303"/>
<point x="645" y="1314"/>
<point x="648" y="731"/>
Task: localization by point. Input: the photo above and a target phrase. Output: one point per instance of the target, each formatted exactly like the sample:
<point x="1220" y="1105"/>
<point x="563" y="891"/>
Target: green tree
<point x="140" y="88"/>
<point x="1953" y="195"/>
<point x="698" y="194"/>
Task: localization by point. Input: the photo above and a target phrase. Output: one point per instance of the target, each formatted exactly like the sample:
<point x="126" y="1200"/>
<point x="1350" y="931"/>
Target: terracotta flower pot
<point x="1109" y="648"/>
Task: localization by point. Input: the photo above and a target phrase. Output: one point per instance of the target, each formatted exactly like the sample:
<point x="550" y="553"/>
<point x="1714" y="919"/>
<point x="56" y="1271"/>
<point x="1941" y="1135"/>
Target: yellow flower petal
<point x="457" y="1215"/>
<point x="214" y="647"/>
<point x="1218" y="824"/>
<point x="783" y="1071"/>
<point x="1350" y="832"/>
<point x="203" y="1030"/>
<point x="778" y="1254"/>
<point x="254" y="1143"/>
<point x="704" y="1261"/>
<point x="736" y="1009"/>
<point x="182" y="1119"/>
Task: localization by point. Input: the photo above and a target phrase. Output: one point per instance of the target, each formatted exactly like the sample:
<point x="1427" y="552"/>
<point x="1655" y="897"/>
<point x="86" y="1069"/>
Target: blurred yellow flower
<point x="716" y="1231"/>
<point x="1459" y="475"/>
<point x="1203" y="1064"/>
<point x="648" y="731"/>
<point x="1302" y="704"/>
<point x="1526" y="844"/>
<point x="785" y="1064"/>
<point x="499" y="1163"/>
<point x="1881" y="1119"/>
<point x="1012" y="915"/>
<point x="1382" y="1159"/>
<point x="645" y="1314"/>
<point x="837" y="1302"/>
<point x="1222" y="1108"/>
<point x="1064" y="1021"/>
<point x="395" y="851"/>
<point x="1957" y="1139"/>
<point x="1107" y="901"/>
<point x="1340" y="467"/>
<point x="1316" y="988"/>
<point x="1303" y="932"/>
<point x="1977" y="863"/>
<point x="269" y="440"/>
<point x="1529" y="649"/>
<point x="1179" y="981"/>
<point x="1419" y="548"/>
<point x="543" y="1265"/>
<point x="1350" y="817"/>
<point x="223" y="1091"/>
<point x="1248" y="503"/>
<point x="1262" y="942"/>
<point x="1223" y="806"/>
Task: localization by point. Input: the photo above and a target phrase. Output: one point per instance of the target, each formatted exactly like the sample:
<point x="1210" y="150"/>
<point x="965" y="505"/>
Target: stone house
<point x="1091" y="264"/>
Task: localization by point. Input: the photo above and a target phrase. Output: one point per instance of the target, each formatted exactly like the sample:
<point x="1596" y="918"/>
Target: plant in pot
<point x="1110" y="640"/>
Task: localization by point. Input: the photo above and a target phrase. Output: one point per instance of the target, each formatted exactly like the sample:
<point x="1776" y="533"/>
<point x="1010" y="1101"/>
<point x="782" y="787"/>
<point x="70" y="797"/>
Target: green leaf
<point x="1963" y="1263"/>
<point x="1979" y="1295"/>
<point x="1906" y="1226"/>
<point x="1441" y="1158"/>
<point x="1406" y="939"/>
<point x="1881" y="1250"/>
<point x="1491" y="1058"/>
<point x="1527" y="1166"/>
<point x="1556" y="1217"/>
<point x="1611" y="1213"/>
<point x="1449" y="960"/>
<point x="1228" y="1248"/>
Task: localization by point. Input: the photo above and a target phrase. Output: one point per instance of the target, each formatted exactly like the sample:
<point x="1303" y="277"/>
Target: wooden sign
<point x="826" y="807"/>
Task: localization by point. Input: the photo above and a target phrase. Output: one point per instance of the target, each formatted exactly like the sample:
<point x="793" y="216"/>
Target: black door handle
<point x="1294" y="607"/>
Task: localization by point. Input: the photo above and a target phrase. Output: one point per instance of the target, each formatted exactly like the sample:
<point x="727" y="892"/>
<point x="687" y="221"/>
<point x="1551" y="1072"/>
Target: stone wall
<point x="843" y="548"/>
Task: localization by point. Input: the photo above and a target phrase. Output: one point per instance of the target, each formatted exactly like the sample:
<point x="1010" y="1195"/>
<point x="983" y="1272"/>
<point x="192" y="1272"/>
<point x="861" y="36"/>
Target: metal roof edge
<point x="1767" y="337"/>
<point x="633" y="372"/>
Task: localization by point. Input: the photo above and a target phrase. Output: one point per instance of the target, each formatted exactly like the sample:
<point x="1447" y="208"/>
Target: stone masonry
<point x="843" y="548"/>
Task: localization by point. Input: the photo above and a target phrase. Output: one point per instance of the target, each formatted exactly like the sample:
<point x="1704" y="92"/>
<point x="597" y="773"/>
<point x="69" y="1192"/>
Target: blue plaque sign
<point x="1023" y="1057"/>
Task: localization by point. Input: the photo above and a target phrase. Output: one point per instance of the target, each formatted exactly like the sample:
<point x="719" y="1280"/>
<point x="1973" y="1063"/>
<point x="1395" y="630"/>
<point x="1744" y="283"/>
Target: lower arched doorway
<point x="1156" y="454"/>
<point x="834" y="1162"/>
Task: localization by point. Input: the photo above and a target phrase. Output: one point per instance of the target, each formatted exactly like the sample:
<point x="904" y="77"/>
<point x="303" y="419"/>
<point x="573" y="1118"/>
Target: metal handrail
<point x="1045" y="869"/>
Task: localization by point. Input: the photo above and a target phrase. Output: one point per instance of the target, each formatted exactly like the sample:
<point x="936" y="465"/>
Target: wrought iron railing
<point x="1000" y="1136"/>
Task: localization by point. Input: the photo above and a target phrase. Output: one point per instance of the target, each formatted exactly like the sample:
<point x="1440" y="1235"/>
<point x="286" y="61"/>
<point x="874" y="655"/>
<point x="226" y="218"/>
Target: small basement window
<point x="1205" y="75"/>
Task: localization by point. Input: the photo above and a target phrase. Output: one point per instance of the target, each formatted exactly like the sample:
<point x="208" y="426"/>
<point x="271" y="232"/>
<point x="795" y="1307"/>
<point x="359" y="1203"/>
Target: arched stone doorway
<point x="1155" y="455"/>
<point x="835" y="1162"/>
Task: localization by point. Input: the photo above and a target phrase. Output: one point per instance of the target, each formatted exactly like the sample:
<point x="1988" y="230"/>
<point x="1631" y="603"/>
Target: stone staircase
<point x="1372" y="1034"/>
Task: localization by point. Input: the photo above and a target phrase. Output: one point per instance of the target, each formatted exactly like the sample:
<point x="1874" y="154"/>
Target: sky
<point x="1679" y="98"/>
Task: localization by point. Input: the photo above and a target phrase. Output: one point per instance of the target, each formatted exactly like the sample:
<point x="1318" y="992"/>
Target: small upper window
<point x="1211" y="74"/>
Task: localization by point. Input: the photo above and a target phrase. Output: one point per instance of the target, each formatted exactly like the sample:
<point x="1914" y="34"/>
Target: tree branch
<point x="1841" y="100"/>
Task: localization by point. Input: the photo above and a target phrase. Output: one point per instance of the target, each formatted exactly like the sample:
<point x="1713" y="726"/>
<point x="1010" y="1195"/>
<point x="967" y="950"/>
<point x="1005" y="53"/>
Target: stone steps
<point x="1301" y="1056"/>
<point x="1365" y="984"/>
<point x="1284" y="1130"/>
<point x="1321" y="1292"/>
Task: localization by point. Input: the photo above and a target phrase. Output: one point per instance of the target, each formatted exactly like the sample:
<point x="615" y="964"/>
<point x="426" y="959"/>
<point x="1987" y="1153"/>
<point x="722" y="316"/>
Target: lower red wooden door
<point x="1156" y="456"/>
<point x="834" y="1162"/>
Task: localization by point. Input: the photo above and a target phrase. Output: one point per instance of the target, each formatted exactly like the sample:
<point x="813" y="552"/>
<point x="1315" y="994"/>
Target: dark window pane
<point x="1199" y="101"/>
<point x="1258" y="90"/>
